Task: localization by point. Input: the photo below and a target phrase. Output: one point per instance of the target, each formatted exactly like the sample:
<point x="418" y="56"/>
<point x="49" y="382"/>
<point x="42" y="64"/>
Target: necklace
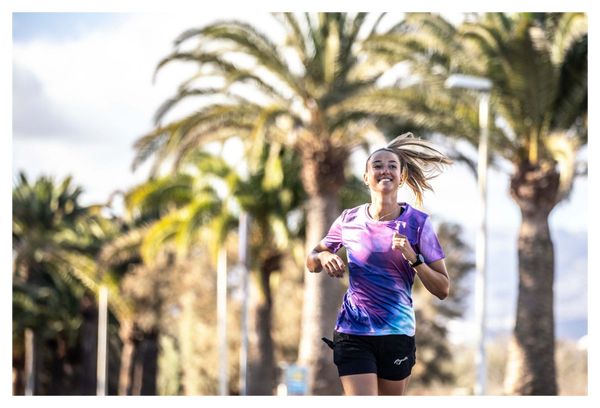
<point x="381" y="218"/>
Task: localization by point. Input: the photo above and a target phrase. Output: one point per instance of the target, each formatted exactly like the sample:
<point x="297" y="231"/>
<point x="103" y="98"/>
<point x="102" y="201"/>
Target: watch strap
<point x="418" y="261"/>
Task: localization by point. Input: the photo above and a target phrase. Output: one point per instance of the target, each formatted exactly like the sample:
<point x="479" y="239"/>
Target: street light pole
<point x="243" y="263"/>
<point x="222" y="320"/>
<point x="483" y="86"/>
<point x="101" y="384"/>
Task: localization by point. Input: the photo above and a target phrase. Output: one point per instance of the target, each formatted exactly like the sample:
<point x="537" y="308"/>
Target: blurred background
<point x="170" y="172"/>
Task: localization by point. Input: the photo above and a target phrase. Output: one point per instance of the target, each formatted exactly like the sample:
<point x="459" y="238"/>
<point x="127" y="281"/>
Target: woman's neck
<point x="384" y="209"/>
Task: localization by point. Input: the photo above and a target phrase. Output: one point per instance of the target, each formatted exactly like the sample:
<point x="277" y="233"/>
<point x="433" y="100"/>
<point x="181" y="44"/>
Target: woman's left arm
<point x="435" y="278"/>
<point x="434" y="275"/>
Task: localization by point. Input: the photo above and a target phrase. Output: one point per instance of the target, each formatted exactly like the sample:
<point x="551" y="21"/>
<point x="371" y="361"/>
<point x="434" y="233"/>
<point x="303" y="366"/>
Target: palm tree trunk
<point x="261" y="360"/>
<point x="531" y="368"/>
<point x="322" y="297"/>
<point x="149" y="362"/>
<point x="127" y="338"/>
<point x="89" y="340"/>
<point x="322" y="178"/>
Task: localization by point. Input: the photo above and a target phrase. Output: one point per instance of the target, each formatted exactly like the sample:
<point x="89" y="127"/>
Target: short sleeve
<point x="333" y="239"/>
<point x="429" y="245"/>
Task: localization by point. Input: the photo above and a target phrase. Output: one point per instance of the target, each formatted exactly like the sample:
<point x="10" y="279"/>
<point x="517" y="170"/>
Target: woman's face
<point x="383" y="172"/>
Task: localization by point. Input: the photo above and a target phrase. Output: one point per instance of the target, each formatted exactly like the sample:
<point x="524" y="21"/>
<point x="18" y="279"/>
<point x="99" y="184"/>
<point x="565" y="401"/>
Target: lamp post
<point x="243" y="263"/>
<point x="222" y="320"/>
<point x="101" y="384"/>
<point x="483" y="86"/>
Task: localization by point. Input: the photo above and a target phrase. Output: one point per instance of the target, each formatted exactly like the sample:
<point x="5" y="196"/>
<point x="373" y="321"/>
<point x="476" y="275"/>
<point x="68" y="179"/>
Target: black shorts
<point x="391" y="357"/>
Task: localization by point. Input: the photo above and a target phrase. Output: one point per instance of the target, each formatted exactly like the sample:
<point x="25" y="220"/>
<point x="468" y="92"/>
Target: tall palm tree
<point x="142" y="270"/>
<point x="55" y="280"/>
<point x="268" y="194"/>
<point x="294" y="95"/>
<point x="538" y="66"/>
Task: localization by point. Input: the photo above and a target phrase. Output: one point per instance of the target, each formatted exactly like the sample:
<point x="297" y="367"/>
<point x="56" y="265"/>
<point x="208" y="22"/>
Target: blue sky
<point x="83" y="92"/>
<point x="60" y="26"/>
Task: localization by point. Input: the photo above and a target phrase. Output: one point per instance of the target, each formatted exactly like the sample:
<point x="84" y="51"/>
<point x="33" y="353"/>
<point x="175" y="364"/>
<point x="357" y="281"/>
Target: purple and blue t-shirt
<point x="378" y="300"/>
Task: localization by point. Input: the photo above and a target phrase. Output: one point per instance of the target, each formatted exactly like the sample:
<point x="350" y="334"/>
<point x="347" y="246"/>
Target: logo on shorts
<point x="398" y="361"/>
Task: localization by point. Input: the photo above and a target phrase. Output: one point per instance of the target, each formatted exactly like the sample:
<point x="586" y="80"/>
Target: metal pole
<point x="243" y="262"/>
<point x="102" y="337"/>
<point x="222" y="319"/>
<point x="29" y="362"/>
<point x="483" y="86"/>
<point x="480" y="255"/>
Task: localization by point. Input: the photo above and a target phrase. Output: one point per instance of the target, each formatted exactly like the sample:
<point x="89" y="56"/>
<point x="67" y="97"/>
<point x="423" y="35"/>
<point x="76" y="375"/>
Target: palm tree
<point x="294" y="95"/>
<point x="55" y="281"/>
<point x="538" y="66"/>
<point x="143" y="271"/>
<point x="267" y="194"/>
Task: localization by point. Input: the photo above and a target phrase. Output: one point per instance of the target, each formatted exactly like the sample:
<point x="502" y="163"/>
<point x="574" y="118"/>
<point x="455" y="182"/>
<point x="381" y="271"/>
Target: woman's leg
<point x="388" y="387"/>
<point x="360" y="384"/>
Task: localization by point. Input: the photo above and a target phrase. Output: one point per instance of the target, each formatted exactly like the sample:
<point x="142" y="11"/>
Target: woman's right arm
<point x="320" y="258"/>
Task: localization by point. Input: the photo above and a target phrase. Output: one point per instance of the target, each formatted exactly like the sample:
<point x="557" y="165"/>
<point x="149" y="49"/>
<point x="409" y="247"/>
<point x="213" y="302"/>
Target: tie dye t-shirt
<point x="378" y="300"/>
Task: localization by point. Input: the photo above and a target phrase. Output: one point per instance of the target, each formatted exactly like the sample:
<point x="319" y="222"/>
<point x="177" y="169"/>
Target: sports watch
<point x="417" y="261"/>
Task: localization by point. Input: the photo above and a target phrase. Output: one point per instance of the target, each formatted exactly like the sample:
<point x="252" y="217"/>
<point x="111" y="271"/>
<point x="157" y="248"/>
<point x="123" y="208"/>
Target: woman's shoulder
<point x="349" y="214"/>
<point x="415" y="214"/>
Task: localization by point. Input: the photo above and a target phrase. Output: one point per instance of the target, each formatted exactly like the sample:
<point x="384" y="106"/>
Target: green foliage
<point x="537" y="63"/>
<point x="55" y="240"/>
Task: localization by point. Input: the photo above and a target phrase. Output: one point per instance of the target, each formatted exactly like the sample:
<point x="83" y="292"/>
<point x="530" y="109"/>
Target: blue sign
<point x="295" y="378"/>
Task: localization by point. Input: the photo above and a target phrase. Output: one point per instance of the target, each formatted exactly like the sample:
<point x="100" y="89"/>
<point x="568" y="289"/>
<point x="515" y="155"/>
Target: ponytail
<point x="420" y="161"/>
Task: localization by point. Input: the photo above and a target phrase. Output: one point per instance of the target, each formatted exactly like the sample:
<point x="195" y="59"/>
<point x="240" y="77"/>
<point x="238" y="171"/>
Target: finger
<point x="336" y="274"/>
<point x="333" y="269"/>
<point x="330" y="271"/>
<point x="336" y="263"/>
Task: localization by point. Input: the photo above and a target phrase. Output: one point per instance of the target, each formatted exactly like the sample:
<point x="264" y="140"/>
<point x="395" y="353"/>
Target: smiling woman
<point x="387" y="243"/>
<point x="55" y="56"/>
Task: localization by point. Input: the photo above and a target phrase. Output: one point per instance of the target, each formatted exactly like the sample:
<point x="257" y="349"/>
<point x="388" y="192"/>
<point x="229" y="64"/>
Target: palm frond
<point x="572" y="27"/>
<point x="178" y="225"/>
<point x="125" y="248"/>
<point x="295" y="37"/>
<point x="563" y="148"/>
<point x="251" y="42"/>
<point x="154" y="195"/>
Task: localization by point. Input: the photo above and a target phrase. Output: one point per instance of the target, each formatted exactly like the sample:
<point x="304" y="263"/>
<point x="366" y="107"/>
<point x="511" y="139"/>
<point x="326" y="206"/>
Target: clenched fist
<point x="400" y="243"/>
<point x="332" y="264"/>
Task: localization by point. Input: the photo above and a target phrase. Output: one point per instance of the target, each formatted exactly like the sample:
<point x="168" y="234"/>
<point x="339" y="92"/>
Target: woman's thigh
<point x="389" y="387"/>
<point x="360" y="384"/>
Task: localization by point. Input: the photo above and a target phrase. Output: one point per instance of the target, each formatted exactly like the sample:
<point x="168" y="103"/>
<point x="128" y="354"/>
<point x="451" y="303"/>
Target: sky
<point x="83" y="92"/>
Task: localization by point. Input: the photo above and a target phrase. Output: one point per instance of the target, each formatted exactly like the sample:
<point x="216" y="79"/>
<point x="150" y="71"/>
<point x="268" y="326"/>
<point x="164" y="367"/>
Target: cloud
<point x="34" y="112"/>
<point x="58" y="26"/>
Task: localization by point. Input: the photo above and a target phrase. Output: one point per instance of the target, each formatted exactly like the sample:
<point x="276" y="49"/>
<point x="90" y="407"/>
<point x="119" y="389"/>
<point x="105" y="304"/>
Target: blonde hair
<point x="420" y="161"/>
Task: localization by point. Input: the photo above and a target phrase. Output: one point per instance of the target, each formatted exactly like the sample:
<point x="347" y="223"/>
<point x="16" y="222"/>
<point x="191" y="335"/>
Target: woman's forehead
<point x="384" y="156"/>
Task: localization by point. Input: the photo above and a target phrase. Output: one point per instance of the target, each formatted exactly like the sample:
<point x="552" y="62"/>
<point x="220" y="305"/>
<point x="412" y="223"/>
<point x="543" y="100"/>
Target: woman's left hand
<point x="401" y="243"/>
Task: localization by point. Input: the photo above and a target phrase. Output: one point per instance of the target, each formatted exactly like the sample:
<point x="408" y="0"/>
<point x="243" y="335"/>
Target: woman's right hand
<point x="332" y="264"/>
